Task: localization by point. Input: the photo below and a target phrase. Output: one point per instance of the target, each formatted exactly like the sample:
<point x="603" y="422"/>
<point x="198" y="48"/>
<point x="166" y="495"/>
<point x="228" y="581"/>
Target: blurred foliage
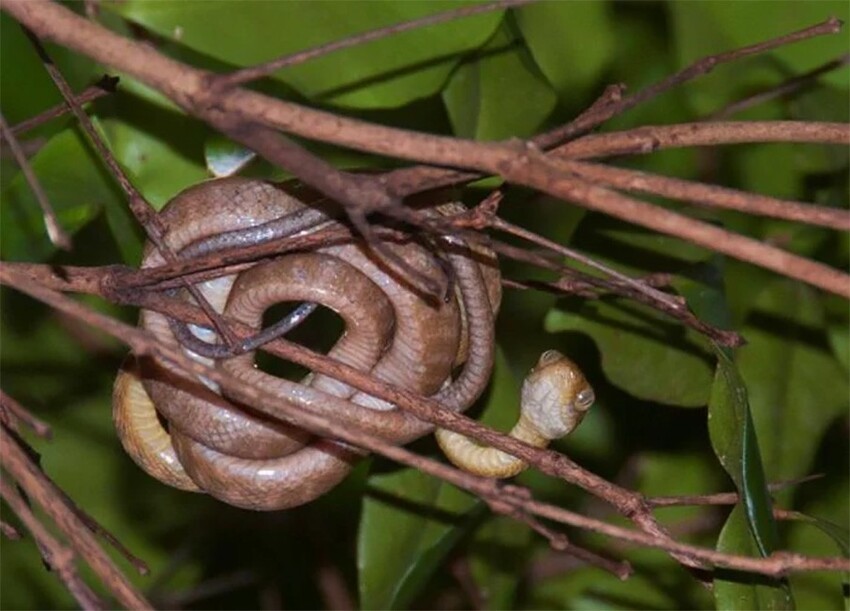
<point x="778" y="407"/>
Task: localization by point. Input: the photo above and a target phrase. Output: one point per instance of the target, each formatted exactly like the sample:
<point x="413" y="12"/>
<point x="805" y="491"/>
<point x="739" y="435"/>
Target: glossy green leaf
<point x="655" y="584"/>
<point x="499" y="95"/>
<point x="796" y="386"/>
<point x="745" y="591"/>
<point x="837" y="533"/>
<point x="499" y="546"/>
<point x="27" y="89"/>
<point x="571" y="42"/>
<point x="381" y="74"/>
<point x="224" y="157"/>
<point x="839" y="341"/>
<point x="76" y="186"/>
<point x="642" y="353"/>
<point x="823" y="532"/>
<point x="161" y="150"/>
<point x="410" y="521"/>
<point x="415" y="519"/>
<point x="733" y="437"/>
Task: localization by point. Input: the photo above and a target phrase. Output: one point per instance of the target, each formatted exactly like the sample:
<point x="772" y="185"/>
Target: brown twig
<point x="19" y="412"/>
<point x="305" y="416"/>
<point x="37" y="487"/>
<point x="58" y="236"/>
<point x="246" y="75"/>
<point x="785" y="89"/>
<point x="57" y="556"/>
<point x="558" y="541"/>
<point x="651" y="138"/>
<point x="9" y="531"/>
<point x="712" y="195"/>
<point x="698" y="68"/>
<point x="139" y="207"/>
<point x="105" y="86"/>
<point x="720" y="498"/>
<point x="185" y="85"/>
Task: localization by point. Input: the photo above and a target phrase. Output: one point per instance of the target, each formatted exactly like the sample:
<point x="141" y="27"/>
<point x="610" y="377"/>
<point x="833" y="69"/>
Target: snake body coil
<point x="190" y="435"/>
<point x="231" y="451"/>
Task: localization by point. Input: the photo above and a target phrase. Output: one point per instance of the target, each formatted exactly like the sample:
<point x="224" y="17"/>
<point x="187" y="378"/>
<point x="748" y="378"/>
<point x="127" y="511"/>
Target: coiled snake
<point x="188" y="435"/>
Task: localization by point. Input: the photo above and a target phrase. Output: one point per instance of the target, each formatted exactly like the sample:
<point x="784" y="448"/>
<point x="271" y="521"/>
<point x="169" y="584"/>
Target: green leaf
<point x="733" y="437"/>
<point x="827" y="500"/>
<point x="415" y="519"/>
<point x="837" y="533"/>
<point x="385" y="73"/>
<point x="499" y="95"/>
<point x="499" y="546"/>
<point x="796" y="386"/>
<point x="571" y="42"/>
<point x="640" y="350"/>
<point x="77" y="188"/>
<point x="745" y="591"/>
<point x="27" y="89"/>
<point x="409" y="523"/>
<point x="161" y="150"/>
<point x="224" y="157"/>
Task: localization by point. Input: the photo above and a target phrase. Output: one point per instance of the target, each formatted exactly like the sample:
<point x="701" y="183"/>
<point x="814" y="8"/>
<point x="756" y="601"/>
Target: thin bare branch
<point x="19" y="412"/>
<point x="712" y="195"/>
<point x="37" y="487"/>
<point x="777" y="564"/>
<point x="140" y="208"/>
<point x="245" y="75"/>
<point x="651" y="138"/>
<point x="698" y="68"/>
<point x="518" y="164"/>
<point x="58" y="236"/>
<point x="786" y="89"/>
<point x="56" y="555"/>
<point x="105" y="86"/>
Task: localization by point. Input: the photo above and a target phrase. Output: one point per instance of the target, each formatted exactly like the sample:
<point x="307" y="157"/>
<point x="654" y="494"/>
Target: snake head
<point x="555" y="395"/>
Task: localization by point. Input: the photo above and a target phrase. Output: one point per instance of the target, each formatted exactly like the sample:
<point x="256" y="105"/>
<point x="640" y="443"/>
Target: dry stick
<point x="141" y="210"/>
<point x="698" y="68"/>
<point x="36" y="485"/>
<point x="185" y="85"/>
<point x="627" y="502"/>
<point x="672" y="302"/>
<point x="673" y="306"/>
<point x="700" y="233"/>
<point x="106" y="85"/>
<point x="357" y="193"/>
<point x="792" y="85"/>
<point x="58" y="557"/>
<point x="19" y="412"/>
<point x="651" y="138"/>
<point x="778" y="563"/>
<point x="558" y="540"/>
<point x="720" y="498"/>
<point x="245" y="75"/>
<point x="610" y="104"/>
<point x="712" y="195"/>
<point x="58" y="236"/>
<point x="9" y="531"/>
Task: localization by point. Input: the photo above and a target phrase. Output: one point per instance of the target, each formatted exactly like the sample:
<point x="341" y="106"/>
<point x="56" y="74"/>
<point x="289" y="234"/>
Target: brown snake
<point x="209" y="443"/>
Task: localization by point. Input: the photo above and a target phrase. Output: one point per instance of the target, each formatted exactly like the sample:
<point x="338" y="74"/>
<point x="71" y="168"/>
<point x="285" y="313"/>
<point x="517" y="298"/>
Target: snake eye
<point x="585" y="399"/>
<point x="550" y="356"/>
